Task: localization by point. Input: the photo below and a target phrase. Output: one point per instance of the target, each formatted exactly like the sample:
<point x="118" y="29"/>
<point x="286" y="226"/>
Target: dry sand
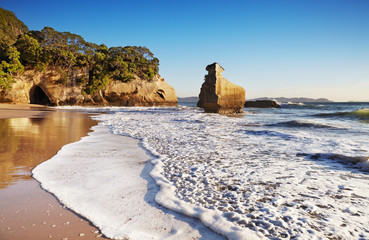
<point x="29" y="135"/>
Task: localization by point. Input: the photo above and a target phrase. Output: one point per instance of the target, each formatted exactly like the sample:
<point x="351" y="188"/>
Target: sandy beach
<point x="112" y="187"/>
<point x="31" y="134"/>
<point x="8" y="110"/>
<point x="34" y="134"/>
<point x="212" y="170"/>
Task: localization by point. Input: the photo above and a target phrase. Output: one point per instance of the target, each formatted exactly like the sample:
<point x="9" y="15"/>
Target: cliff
<point x="218" y="95"/>
<point x="46" y="87"/>
<point x="61" y="68"/>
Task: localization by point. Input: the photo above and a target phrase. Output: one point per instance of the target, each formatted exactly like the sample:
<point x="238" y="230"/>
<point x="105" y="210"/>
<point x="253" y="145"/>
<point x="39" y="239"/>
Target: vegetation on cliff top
<point x="65" y="52"/>
<point x="10" y="26"/>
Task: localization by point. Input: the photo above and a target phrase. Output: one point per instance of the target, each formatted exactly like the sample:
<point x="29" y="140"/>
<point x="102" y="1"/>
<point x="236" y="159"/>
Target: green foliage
<point x="10" y="26"/>
<point x="63" y="76"/>
<point x="3" y="51"/>
<point x="30" y="50"/>
<point x="82" y="80"/>
<point x="99" y="76"/>
<point x="5" y="78"/>
<point x="97" y="83"/>
<point x="64" y="52"/>
<point x="9" y="67"/>
<point x="125" y="62"/>
<point x="150" y="73"/>
<point x="14" y="66"/>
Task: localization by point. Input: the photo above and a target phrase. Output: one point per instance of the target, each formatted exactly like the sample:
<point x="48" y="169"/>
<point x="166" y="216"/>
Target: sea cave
<point x="38" y="96"/>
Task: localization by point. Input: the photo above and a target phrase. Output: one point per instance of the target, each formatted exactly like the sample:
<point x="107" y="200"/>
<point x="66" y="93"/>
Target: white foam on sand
<point x="105" y="178"/>
<point x="248" y="176"/>
<point x="255" y="176"/>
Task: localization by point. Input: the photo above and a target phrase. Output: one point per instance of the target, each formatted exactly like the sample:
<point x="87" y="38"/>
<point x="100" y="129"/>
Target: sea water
<point x="300" y="171"/>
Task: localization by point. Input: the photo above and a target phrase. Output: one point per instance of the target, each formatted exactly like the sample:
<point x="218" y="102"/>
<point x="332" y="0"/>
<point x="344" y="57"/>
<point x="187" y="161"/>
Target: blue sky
<point x="273" y="48"/>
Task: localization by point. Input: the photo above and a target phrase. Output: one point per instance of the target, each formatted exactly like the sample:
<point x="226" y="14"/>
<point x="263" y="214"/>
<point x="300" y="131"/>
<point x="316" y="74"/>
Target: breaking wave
<point x="361" y="114"/>
<point x="251" y="173"/>
<point x="361" y="162"/>
<point x="302" y="124"/>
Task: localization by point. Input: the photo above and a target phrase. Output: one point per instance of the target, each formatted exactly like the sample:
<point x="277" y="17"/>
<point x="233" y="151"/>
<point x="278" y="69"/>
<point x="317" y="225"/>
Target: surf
<point x="360" y="114"/>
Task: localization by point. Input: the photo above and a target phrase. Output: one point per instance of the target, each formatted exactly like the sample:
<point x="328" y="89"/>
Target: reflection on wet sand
<point x="26" y="142"/>
<point x="26" y="210"/>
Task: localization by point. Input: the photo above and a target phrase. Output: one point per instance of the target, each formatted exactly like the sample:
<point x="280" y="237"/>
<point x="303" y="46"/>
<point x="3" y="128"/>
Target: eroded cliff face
<point x="47" y="87"/>
<point x="218" y="95"/>
<point x="140" y="93"/>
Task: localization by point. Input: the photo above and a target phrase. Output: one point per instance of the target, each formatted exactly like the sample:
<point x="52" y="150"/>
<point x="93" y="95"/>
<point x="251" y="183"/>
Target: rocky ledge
<point x="218" y="95"/>
<point x="46" y="88"/>
<point x="262" y="104"/>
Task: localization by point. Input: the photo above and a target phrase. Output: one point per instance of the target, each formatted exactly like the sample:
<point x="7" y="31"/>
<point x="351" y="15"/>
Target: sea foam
<point x="258" y="181"/>
<point x="105" y="178"/>
<point x="245" y="179"/>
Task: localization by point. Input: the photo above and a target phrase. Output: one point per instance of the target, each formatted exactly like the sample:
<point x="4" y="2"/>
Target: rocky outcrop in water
<point x="262" y="104"/>
<point x="47" y="88"/>
<point x="218" y="95"/>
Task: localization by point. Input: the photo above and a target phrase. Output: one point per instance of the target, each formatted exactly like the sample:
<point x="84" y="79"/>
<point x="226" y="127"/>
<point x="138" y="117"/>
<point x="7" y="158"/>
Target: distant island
<point x="278" y="99"/>
<point x="295" y="99"/>
<point x="188" y="99"/>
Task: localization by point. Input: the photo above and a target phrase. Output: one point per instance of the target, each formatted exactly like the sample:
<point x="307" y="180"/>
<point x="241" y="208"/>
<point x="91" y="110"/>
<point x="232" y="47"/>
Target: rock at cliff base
<point x="218" y="95"/>
<point x="262" y="104"/>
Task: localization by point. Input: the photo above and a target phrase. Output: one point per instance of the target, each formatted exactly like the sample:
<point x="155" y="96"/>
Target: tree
<point x="64" y="52"/>
<point x="9" y="68"/>
<point x="3" y="49"/>
<point x="125" y="62"/>
<point x="99" y="75"/>
<point x="30" y="50"/>
<point x="10" y="26"/>
<point x="14" y="65"/>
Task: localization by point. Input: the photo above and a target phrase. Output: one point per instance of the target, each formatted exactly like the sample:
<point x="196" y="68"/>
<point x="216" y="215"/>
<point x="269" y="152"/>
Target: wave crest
<point x="361" y="114"/>
<point x="301" y="124"/>
<point x="359" y="161"/>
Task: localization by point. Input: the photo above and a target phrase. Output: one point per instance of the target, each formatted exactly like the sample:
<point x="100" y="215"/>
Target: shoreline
<point x="32" y="134"/>
<point x="18" y="110"/>
<point x="171" y="134"/>
<point x="132" y="211"/>
<point x="29" y="211"/>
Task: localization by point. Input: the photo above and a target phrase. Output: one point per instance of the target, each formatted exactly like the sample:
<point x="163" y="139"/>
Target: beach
<point x="164" y="120"/>
<point x="9" y="110"/>
<point x="34" y="134"/>
<point x="180" y="173"/>
<point x="299" y="171"/>
<point x="31" y="134"/>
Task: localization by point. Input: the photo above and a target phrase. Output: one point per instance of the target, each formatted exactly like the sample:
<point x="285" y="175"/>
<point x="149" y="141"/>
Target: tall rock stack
<point x="218" y="95"/>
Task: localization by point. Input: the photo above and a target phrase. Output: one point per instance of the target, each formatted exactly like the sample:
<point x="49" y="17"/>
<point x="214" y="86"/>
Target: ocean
<point x="296" y="172"/>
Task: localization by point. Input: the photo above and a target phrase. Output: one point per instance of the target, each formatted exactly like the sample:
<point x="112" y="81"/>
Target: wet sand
<point x="29" y="135"/>
<point x="22" y="110"/>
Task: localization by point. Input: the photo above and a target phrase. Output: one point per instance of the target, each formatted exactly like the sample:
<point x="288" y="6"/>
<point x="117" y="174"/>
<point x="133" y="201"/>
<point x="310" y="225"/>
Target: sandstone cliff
<point x="47" y="87"/>
<point x="218" y="95"/>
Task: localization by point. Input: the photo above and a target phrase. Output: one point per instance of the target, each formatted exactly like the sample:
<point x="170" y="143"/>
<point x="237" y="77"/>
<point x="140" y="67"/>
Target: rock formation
<point x="46" y="88"/>
<point x="262" y="104"/>
<point x="218" y="95"/>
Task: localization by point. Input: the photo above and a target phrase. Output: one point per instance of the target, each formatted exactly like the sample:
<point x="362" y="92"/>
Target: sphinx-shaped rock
<point x="218" y="95"/>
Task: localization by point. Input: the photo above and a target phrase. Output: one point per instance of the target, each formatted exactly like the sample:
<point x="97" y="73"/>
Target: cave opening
<point x="38" y="96"/>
